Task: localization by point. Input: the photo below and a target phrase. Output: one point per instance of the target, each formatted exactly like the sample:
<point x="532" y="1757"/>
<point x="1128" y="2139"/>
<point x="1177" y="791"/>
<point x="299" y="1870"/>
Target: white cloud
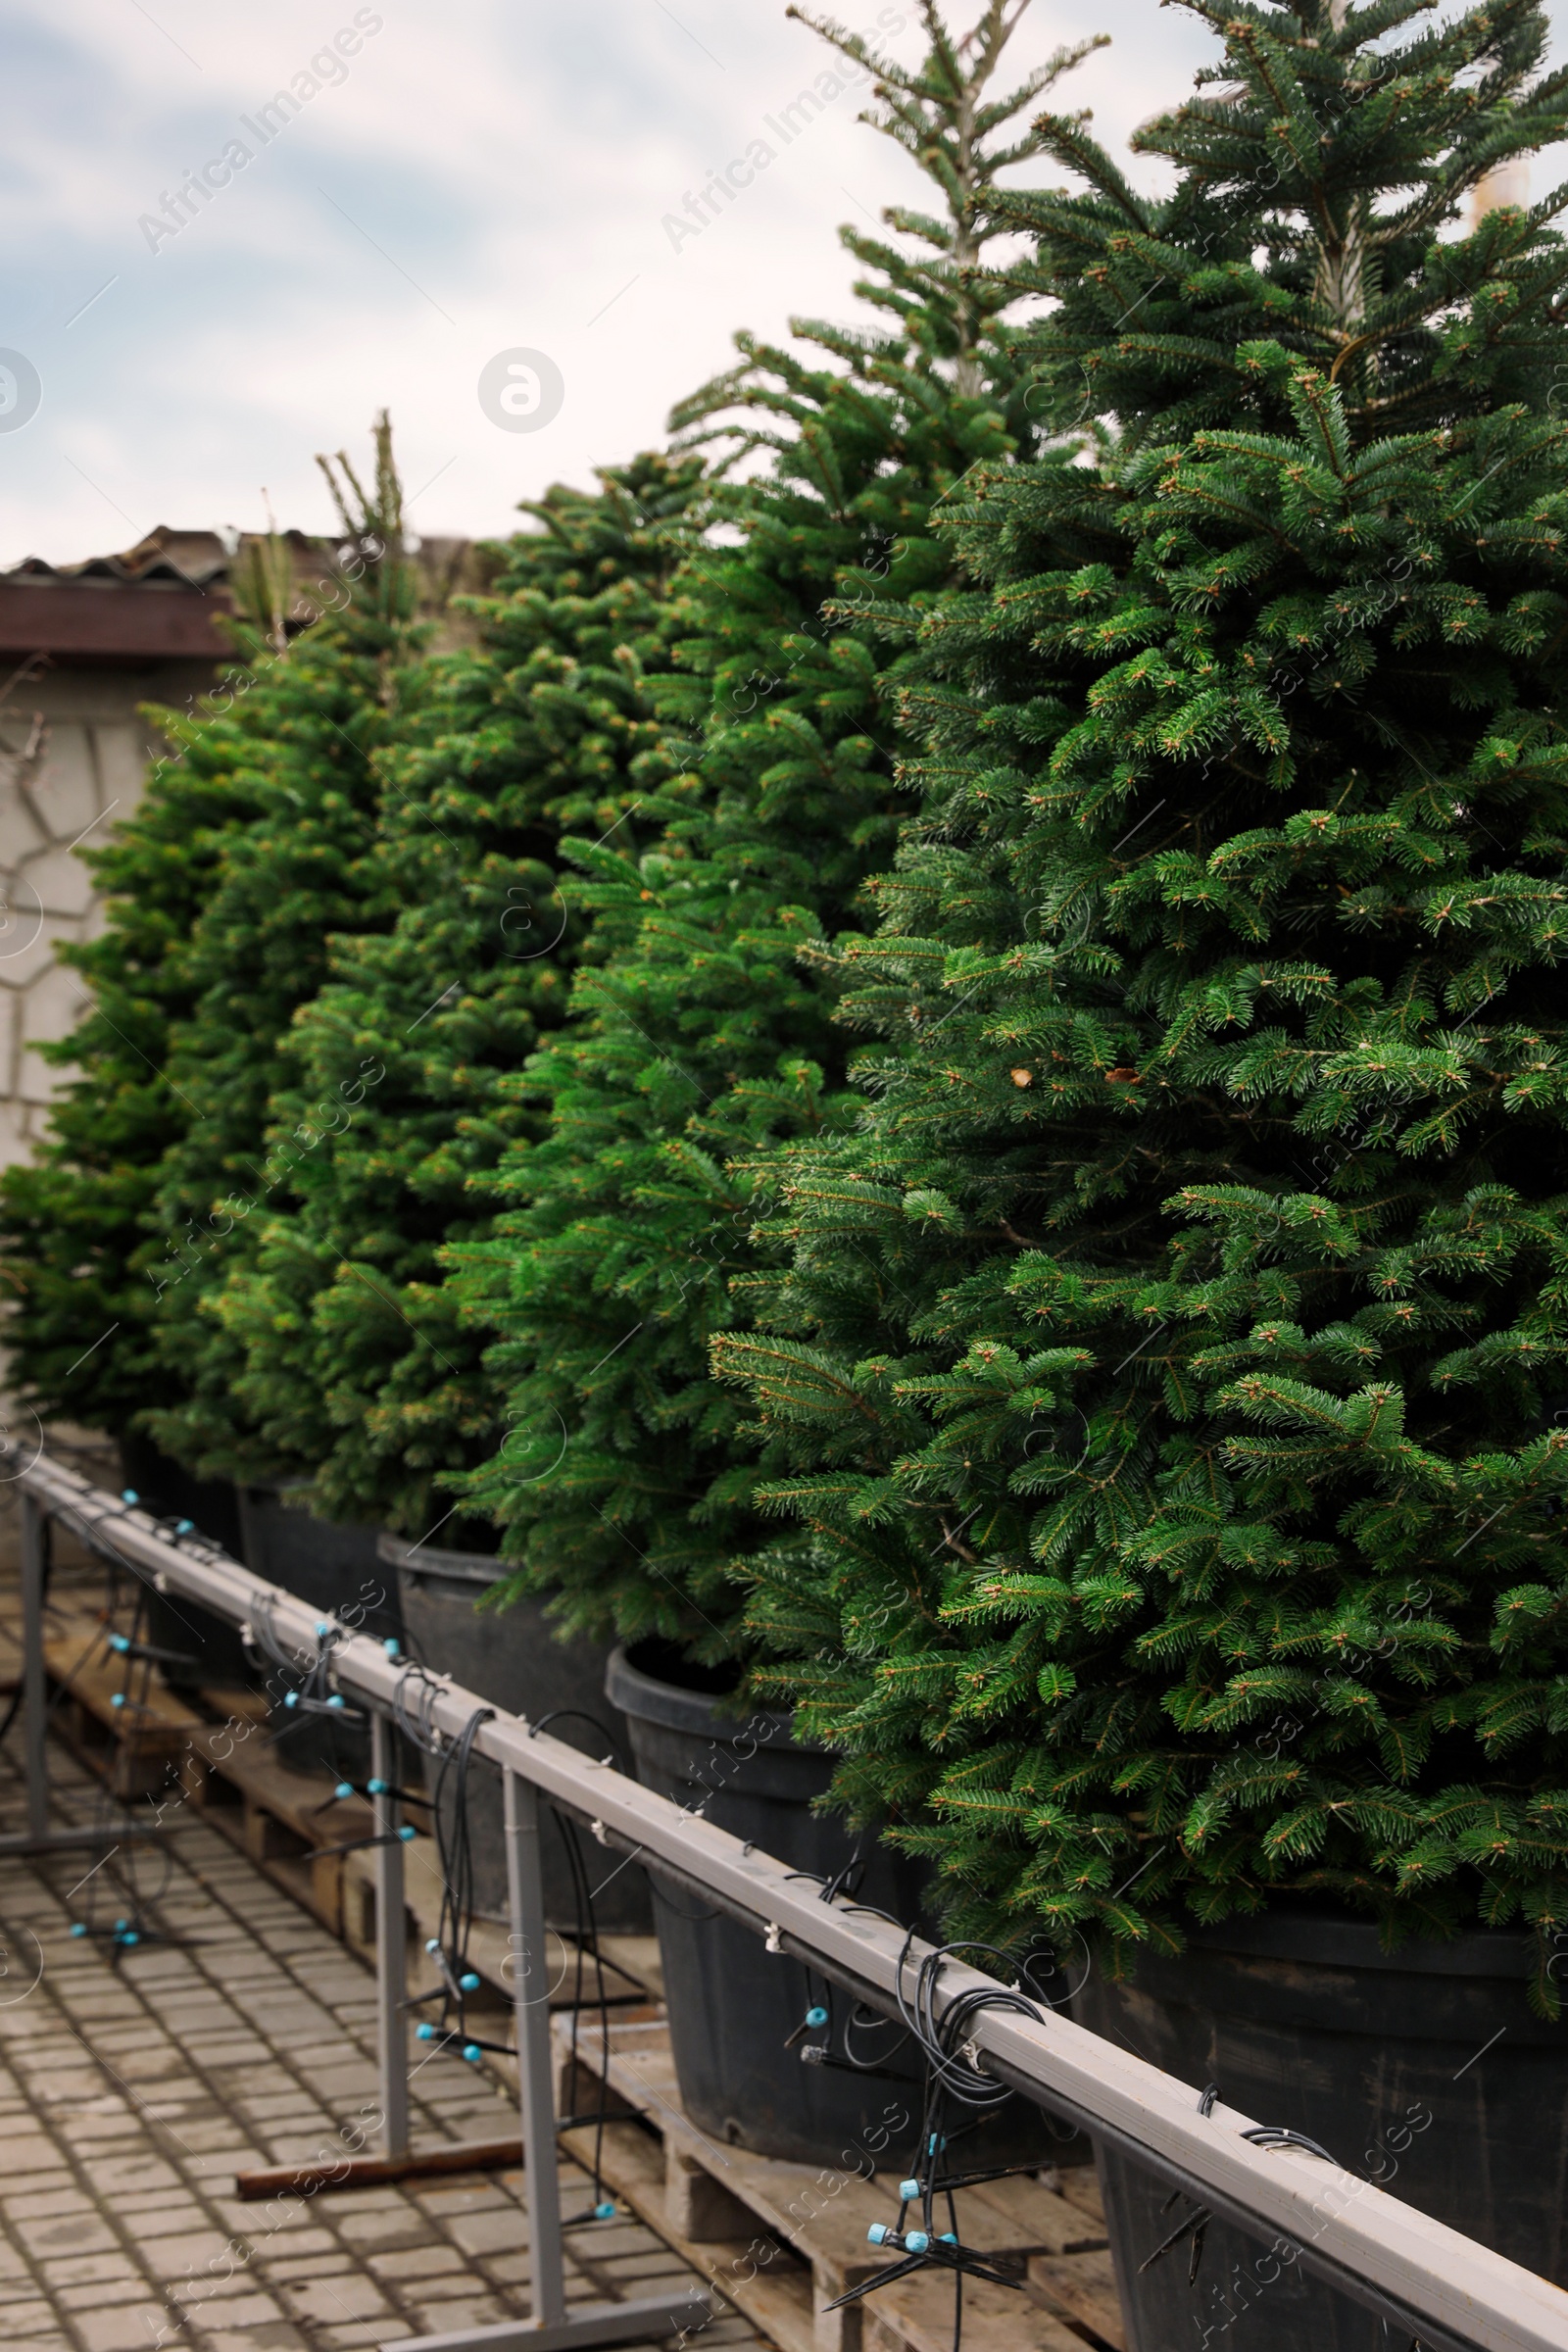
<point x="488" y="173"/>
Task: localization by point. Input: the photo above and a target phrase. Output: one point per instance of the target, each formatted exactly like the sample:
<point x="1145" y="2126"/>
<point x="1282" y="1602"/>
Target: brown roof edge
<point x="111" y="621"/>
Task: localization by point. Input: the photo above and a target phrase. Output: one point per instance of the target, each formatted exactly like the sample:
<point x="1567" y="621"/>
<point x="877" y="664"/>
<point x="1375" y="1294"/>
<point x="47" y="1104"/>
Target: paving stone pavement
<point x="134" y="2084"/>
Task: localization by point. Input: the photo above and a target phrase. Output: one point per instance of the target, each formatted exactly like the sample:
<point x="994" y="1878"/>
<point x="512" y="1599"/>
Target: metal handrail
<point x="1441" y="2287"/>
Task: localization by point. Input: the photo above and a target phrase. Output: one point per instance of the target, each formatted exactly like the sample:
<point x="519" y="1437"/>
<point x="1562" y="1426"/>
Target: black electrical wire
<point x="587" y="1944"/>
<point x="950" y="2075"/>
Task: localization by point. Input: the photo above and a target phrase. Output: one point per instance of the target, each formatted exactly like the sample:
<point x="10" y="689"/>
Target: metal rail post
<point x="391" y="1942"/>
<point x="39" y="1838"/>
<point x="35" y="1700"/>
<point x="530" y="1962"/>
<point x="644" y="2320"/>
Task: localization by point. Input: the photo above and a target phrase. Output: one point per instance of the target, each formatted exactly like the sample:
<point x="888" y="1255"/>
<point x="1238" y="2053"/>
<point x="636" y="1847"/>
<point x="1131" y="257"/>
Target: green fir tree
<point x="355" y="1369"/>
<point x="74" y="1241"/>
<point x="301" y="871"/>
<point x="83" y="1256"/>
<point x="620" y="1487"/>
<point x="1166" y="1391"/>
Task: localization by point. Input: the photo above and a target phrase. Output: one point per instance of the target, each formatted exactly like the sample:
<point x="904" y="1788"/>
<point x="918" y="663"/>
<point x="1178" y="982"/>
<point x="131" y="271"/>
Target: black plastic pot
<point x="513" y="1660"/>
<point x="204" y="1649"/>
<point x="733" y="2005"/>
<point x="1422" y="2068"/>
<point x="335" y="1567"/>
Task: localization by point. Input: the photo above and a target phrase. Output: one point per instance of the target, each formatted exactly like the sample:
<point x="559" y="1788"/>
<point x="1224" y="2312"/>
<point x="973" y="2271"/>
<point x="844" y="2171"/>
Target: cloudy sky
<point x="465" y="178"/>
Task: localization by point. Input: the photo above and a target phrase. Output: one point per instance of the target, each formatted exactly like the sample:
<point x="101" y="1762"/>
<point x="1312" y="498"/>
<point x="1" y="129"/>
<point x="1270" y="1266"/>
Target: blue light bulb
<point x="393" y="1648"/>
<point x="916" y="2241"/>
<point x="433" y="1944"/>
<point x="77" y="1927"/>
<point x="816" y="2016"/>
<point x="877" y="2235"/>
<point x="908" y="2191"/>
<point x="291" y="1698"/>
<point x="605" y="2212"/>
<point x="322" y="1631"/>
<point x="377" y="1787"/>
<point x="406" y="1833"/>
<point x="425" y="2032"/>
<point x="184" y="1526"/>
<point x="130" y="1937"/>
<point x="119" y="1641"/>
<point x="337" y="1700"/>
<point x="345" y="1788"/>
<point x="473" y="2052"/>
<point x="468" y="1983"/>
<point x="119" y="1699"/>
<point x="130" y="1494"/>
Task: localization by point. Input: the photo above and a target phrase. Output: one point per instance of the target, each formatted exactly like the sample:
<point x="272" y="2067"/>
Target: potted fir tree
<point x="354" y="1366"/>
<point x="623" y="1489"/>
<point x="1173" y="1359"/>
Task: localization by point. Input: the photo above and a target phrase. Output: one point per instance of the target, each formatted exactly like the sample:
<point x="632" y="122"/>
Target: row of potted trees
<point x="925" y="1086"/>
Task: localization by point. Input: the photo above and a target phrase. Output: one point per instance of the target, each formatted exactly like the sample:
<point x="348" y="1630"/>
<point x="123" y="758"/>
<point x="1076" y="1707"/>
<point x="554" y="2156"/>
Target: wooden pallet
<point x="215" y="1756"/>
<point x="135" y="1747"/>
<point x="780" y="2242"/>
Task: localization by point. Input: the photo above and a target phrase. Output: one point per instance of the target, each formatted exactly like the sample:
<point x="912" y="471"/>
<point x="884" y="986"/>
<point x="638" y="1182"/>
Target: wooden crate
<point x="780" y="2242"/>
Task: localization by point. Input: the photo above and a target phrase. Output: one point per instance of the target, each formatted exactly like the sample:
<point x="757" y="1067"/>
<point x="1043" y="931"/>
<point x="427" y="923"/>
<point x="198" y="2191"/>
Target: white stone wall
<point x="74" y="759"/>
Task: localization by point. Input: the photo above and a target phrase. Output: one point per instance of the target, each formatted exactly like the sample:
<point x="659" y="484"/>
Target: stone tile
<point x="494" y="2232"/>
<point x="479" y="2311"/>
<point x="83" y="2269"/>
<point x="67" y="2234"/>
<point x="269" y="2335"/>
<point x="51" y="2200"/>
<point x="104" y="2296"/>
<point x="251" y="2310"/>
<point x="130" y="2328"/>
<point x="385" y="2230"/>
<point x="333" y="2301"/>
<point x="417" y="2261"/>
<point x="173" y="2257"/>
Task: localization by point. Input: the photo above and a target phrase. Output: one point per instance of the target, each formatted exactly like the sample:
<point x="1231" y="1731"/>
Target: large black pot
<point x="203" y="1648"/>
<point x="333" y="1566"/>
<point x="1424" y="2068"/>
<point x="513" y="1660"/>
<point x="733" y="2005"/>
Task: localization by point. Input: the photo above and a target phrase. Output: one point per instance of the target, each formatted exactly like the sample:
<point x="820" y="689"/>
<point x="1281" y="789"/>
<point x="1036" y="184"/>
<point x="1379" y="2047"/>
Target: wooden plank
<point x="823" y="2217"/>
<point x="1033" y="2218"/>
<point x="1079" y="2184"/>
<point x="134" y="1747"/>
<point x="365" y="2172"/>
<point x="275" y="1816"/>
<point x="77" y="1653"/>
<point x="916" y="2315"/>
<point x="769" y="2287"/>
<point x="1081" y="2288"/>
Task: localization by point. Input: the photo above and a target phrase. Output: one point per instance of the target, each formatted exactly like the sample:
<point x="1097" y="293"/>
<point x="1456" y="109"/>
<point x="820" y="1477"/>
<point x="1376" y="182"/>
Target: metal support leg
<point x="391" y="1947"/>
<point x="650" y="2318"/>
<point x="525" y="1887"/>
<point x="34" y="1696"/>
<point x="37" y="1838"/>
